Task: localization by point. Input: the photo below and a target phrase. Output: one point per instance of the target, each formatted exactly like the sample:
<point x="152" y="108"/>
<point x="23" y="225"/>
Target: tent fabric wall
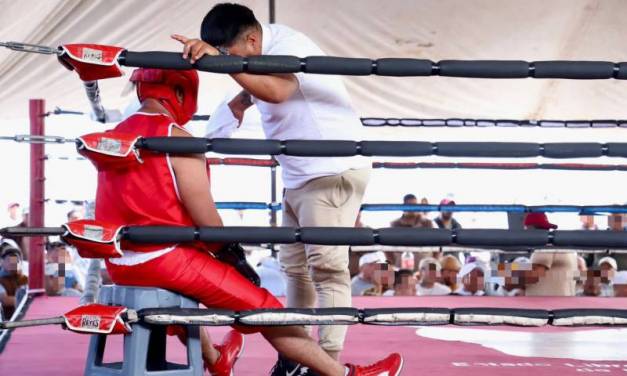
<point x="434" y="29"/>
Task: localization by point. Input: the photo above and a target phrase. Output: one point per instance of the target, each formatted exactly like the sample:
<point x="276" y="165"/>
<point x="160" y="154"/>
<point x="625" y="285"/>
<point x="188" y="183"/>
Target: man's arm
<point x="272" y="88"/>
<point x="240" y="104"/>
<point x="193" y="185"/>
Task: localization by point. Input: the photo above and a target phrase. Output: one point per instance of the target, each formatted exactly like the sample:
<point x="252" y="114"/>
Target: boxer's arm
<point x="192" y="181"/>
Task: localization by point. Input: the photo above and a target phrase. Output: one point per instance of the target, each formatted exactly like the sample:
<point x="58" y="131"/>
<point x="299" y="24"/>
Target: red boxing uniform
<point x="146" y="194"/>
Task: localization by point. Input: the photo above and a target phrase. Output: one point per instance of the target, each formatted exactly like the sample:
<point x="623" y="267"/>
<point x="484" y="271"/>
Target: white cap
<point x="608" y="260"/>
<point x="467" y="268"/>
<point x="372" y="257"/>
<point x="522" y="263"/>
<point x="620" y="278"/>
<point x="425" y="262"/>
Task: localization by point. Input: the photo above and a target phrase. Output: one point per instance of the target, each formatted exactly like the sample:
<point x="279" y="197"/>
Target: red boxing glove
<point x="94" y="239"/>
<point x="91" y="61"/>
<point x="97" y="318"/>
<point x="109" y="150"/>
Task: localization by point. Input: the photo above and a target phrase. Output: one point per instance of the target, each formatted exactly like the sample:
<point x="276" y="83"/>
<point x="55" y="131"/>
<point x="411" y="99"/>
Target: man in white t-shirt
<point x="472" y="276"/>
<point x="429" y="269"/>
<point x="368" y="264"/>
<point x="324" y="192"/>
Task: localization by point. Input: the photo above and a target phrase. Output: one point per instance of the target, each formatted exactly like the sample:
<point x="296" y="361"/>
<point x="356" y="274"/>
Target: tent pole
<point x="272" y="10"/>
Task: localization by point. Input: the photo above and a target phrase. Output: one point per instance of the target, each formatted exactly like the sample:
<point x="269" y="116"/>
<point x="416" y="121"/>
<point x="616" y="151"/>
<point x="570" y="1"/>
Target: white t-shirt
<point x="500" y="291"/>
<point x="437" y="289"/>
<point x="461" y="291"/>
<point x="359" y="285"/>
<point x="319" y="110"/>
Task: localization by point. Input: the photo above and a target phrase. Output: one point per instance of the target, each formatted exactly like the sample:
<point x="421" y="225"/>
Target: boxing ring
<point x="442" y="350"/>
<point x="450" y="335"/>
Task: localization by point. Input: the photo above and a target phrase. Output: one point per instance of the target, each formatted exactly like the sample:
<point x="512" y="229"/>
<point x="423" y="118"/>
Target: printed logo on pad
<point x="89" y="54"/>
<point x="93" y="232"/>
<point x="90" y="322"/>
<point x="110" y="145"/>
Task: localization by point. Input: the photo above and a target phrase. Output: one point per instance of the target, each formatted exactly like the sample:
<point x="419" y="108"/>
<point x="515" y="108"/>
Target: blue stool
<point x="145" y="347"/>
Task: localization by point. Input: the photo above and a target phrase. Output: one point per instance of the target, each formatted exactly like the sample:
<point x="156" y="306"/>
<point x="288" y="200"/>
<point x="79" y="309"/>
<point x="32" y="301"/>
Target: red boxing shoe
<point x="390" y="366"/>
<point x="230" y="350"/>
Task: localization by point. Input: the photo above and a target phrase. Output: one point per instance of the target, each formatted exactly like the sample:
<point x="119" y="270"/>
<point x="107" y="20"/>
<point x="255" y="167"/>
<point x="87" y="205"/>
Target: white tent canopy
<point x="432" y="29"/>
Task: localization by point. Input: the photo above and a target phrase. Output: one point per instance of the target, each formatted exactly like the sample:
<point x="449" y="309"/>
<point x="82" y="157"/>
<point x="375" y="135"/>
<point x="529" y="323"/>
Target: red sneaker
<point x="390" y="366"/>
<point x="230" y="350"/>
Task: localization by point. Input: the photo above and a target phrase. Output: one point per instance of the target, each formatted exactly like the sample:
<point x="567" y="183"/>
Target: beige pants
<point x="316" y="272"/>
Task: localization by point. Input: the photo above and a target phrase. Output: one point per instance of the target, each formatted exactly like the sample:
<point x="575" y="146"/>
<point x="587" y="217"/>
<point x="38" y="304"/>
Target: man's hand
<point x="240" y="104"/>
<point x="195" y="48"/>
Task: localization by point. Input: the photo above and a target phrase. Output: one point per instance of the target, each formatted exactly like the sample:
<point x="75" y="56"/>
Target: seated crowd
<point x="544" y="273"/>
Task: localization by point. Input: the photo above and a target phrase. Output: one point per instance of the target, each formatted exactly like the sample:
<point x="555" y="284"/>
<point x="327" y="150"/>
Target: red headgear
<point x="161" y="84"/>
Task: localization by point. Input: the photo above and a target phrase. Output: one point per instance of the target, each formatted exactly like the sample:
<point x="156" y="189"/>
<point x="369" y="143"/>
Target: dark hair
<point x="398" y="276"/>
<point x="225" y="22"/>
<point x="408" y="197"/>
<point x="55" y="244"/>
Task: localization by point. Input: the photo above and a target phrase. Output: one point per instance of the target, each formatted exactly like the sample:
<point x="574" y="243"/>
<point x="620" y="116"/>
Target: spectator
<point x="11" y="278"/>
<point x="446" y="220"/>
<point x="272" y="278"/>
<point x="59" y="267"/>
<point x="450" y="269"/>
<point x="411" y="218"/>
<point x="608" y="267"/>
<point x="582" y="269"/>
<point x="552" y="273"/>
<point x="587" y="222"/>
<point x="18" y="218"/>
<point x="615" y="223"/>
<point x="368" y="263"/>
<point x="382" y="280"/>
<point x="513" y="277"/>
<point x="620" y="284"/>
<point x="591" y="284"/>
<point x="75" y="214"/>
<point x="404" y="284"/>
<point x="429" y="269"/>
<point x="473" y="279"/>
<point x="15" y="216"/>
<point x="424" y="201"/>
<point x="55" y="281"/>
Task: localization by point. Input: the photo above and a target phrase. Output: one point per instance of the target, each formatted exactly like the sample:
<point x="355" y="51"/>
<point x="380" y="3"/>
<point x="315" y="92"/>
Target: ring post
<point x="37" y="113"/>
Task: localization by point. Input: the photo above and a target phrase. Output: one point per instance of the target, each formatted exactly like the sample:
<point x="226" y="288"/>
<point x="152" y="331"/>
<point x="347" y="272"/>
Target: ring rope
<point x="451" y="122"/>
<point x="385" y="316"/>
<point x="358" y="236"/>
<point x="474" y="208"/>
<point x="345" y="148"/>
<point x="490" y="123"/>
<point x="396" y="67"/>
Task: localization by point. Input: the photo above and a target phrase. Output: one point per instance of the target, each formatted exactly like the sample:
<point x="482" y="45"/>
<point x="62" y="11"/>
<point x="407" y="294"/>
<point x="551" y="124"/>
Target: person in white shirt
<point x="325" y="192"/>
<point x="367" y="267"/>
<point x="473" y="279"/>
<point x="619" y="284"/>
<point x="429" y="269"/>
<point x="404" y="284"/>
<point x="607" y="266"/>
<point x="511" y="277"/>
